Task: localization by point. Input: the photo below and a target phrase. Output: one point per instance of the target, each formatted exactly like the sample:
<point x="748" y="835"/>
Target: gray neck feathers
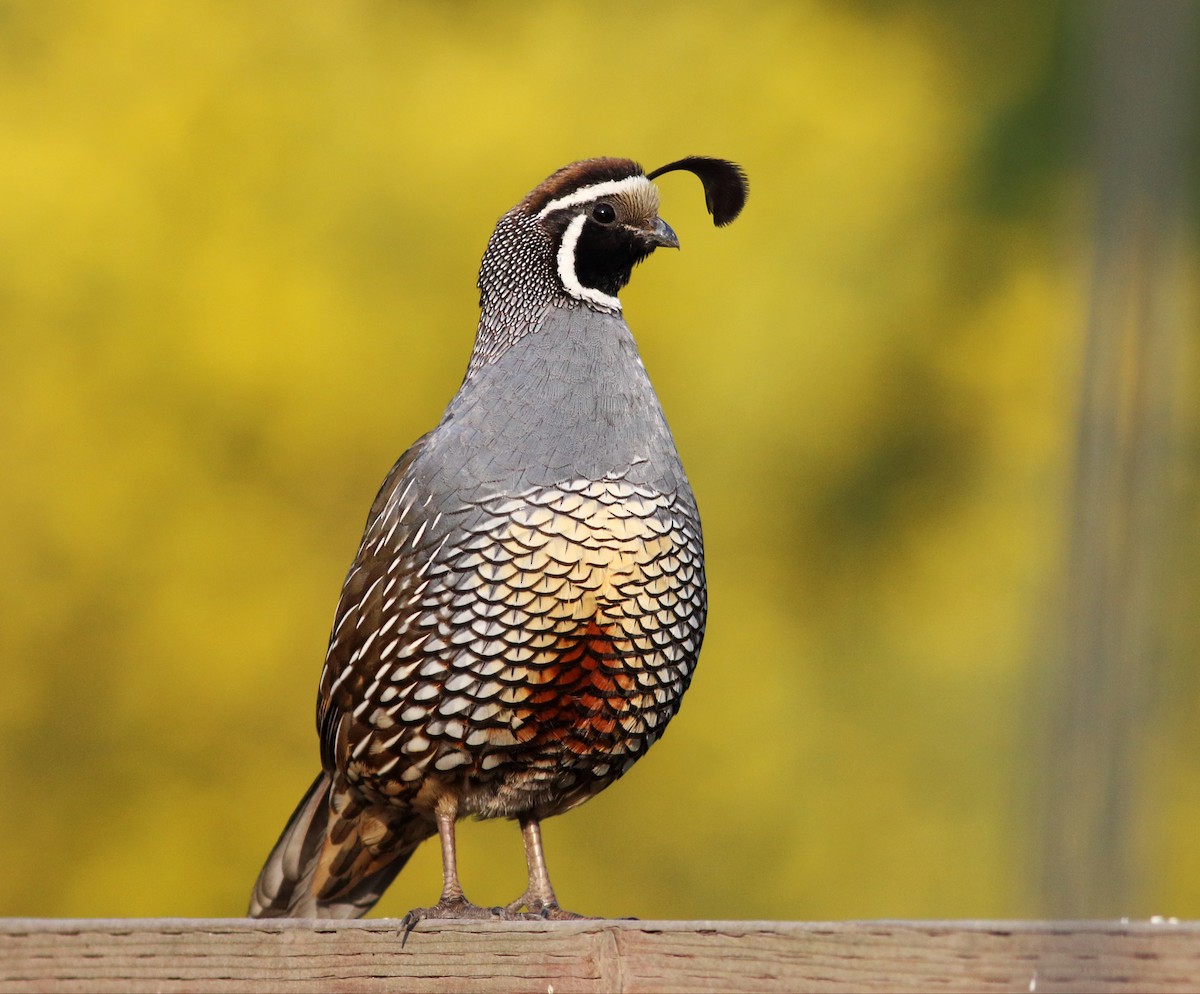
<point x="570" y="401"/>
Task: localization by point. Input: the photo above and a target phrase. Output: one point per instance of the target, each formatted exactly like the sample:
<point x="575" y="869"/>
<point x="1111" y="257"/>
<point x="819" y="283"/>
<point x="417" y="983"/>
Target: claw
<point x="537" y="909"/>
<point x="554" y="913"/>
<point x="459" y="908"/>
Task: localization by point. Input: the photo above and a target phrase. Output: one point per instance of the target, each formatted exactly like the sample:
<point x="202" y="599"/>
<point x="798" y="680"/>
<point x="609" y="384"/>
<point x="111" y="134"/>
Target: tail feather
<point x="334" y="859"/>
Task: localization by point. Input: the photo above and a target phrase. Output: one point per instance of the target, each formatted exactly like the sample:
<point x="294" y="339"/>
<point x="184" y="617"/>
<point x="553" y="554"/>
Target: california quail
<point x="528" y="601"/>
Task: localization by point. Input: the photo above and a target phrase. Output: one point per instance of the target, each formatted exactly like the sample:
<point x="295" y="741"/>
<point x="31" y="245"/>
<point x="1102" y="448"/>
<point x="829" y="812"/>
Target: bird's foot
<point x="450" y="908"/>
<point x="538" y="909"/>
<point x="553" y="913"/>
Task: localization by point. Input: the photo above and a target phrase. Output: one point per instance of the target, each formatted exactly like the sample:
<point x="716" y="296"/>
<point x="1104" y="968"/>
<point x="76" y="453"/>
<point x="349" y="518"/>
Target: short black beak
<point x="664" y="235"/>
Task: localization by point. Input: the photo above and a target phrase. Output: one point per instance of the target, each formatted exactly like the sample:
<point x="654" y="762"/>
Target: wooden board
<point x="227" y="955"/>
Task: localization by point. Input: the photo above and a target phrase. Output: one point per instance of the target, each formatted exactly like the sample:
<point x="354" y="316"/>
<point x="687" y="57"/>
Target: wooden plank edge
<point x="317" y="955"/>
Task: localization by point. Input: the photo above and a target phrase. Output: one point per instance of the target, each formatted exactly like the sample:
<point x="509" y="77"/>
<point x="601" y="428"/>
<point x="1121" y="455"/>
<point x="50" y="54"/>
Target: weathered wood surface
<point x="226" y="955"/>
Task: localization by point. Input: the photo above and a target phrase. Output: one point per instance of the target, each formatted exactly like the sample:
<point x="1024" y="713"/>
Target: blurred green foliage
<point x="238" y="245"/>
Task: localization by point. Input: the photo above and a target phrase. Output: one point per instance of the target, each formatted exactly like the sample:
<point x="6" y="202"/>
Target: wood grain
<point x="226" y="955"/>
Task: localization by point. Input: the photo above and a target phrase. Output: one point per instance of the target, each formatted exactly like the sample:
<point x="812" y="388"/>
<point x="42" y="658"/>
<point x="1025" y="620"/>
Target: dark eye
<point x="604" y="213"/>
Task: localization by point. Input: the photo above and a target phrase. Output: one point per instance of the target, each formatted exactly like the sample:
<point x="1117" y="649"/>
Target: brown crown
<point x="576" y="176"/>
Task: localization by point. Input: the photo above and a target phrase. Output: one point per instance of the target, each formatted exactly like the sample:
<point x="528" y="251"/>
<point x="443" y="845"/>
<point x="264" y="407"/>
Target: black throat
<point x="605" y="257"/>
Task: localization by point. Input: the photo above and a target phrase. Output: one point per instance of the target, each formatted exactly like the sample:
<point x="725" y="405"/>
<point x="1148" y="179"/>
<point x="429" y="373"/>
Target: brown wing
<point x="381" y="572"/>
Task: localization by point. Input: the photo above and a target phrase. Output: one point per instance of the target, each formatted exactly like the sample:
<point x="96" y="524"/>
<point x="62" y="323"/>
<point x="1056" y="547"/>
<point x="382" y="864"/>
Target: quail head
<point x="527" y="605"/>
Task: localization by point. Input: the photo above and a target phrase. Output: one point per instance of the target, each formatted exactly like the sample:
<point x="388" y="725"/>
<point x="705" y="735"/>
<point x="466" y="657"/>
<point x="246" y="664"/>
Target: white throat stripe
<point x="566" y="265"/>
<point x="606" y="189"/>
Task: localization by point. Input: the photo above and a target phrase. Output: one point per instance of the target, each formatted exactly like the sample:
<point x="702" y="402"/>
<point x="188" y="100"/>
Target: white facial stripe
<point x="583" y="195"/>
<point x="566" y="265"/>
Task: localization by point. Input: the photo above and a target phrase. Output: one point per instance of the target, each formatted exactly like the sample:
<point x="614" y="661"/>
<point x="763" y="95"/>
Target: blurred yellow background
<point x="238" y="245"/>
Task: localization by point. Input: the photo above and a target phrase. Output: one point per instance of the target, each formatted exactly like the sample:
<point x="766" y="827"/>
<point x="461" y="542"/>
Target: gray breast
<point x="570" y="401"/>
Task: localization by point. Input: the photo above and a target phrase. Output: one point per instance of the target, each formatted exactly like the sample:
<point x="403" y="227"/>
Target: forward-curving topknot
<point x="725" y="185"/>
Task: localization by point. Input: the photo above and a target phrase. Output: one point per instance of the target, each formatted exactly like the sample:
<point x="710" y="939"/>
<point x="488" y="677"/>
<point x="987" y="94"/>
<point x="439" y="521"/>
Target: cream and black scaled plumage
<point x="527" y="605"/>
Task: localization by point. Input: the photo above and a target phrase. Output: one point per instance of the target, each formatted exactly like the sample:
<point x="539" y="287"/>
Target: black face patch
<point x="600" y="239"/>
<point x="605" y="255"/>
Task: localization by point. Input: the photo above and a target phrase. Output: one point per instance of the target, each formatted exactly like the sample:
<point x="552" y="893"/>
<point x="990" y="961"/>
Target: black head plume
<point x="725" y="185"/>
